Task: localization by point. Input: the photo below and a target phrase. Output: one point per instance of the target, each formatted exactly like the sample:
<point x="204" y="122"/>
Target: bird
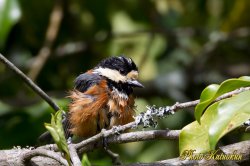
<point x="102" y="97"/>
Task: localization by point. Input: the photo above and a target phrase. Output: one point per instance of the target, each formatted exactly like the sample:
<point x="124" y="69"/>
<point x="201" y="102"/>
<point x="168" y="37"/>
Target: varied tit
<point x="102" y="97"/>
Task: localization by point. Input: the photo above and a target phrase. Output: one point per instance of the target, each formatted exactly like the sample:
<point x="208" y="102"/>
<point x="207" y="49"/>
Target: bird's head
<point x="120" y="70"/>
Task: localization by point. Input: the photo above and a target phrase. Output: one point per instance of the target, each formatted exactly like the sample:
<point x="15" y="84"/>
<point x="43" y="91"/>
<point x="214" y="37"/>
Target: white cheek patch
<point x="133" y="75"/>
<point x="111" y="74"/>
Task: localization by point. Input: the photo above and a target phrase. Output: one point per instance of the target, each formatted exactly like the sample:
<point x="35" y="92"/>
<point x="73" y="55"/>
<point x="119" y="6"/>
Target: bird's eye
<point x="122" y="71"/>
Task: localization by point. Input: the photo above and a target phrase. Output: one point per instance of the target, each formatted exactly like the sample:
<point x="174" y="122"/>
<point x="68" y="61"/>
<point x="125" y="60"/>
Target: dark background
<point x="180" y="47"/>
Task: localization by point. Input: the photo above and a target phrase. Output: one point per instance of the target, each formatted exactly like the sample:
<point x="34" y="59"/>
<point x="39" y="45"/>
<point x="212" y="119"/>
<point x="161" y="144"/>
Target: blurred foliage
<point x="9" y="15"/>
<point x="85" y="160"/>
<point x="180" y="47"/>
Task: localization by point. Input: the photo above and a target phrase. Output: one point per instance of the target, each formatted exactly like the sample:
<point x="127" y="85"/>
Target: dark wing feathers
<point x="82" y="83"/>
<point x="66" y="125"/>
<point x="86" y="80"/>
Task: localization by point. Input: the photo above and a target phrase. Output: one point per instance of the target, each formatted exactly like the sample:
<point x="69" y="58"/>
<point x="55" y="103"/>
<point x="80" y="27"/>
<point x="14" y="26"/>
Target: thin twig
<point x="232" y="93"/>
<point x="29" y="82"/>
<point x="177" y="106"/>
<point x="114" y="156"/>
<point x="51" y="34"/>
<point x="143" y="136"/>
<point x="74" y="156"/>
<point x="26" y="157"/>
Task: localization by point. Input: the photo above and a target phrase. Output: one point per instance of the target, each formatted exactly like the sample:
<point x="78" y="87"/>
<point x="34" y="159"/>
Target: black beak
<point x="135" y="83"/>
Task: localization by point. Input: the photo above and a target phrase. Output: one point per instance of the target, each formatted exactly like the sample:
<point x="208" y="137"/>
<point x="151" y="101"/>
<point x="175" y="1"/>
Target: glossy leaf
<point x="219" y="119"/>
<point x="193" y="137"/>
<point x="207" y="94"/>
<point x="9" y="15"/>
<point x="229" y="114"/>
<point x="213" y="91"/>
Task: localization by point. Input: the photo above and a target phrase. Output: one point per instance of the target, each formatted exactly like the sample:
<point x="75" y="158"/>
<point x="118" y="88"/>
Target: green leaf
<point x="9" y="15"/>
<point x="193" y="137"/>
<point x="230" y="113"/>
<point x="53" y="132"/>
<point x="56" y="130"/>
<point x="207" y="94"/>
<point x="213" y="91"/>
<point x="219" y="119"/>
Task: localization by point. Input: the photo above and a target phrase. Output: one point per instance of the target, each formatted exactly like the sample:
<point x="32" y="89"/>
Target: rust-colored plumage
<point x="86" y="110"/>
<point x="98" y="108"/>
<point x="102" y="98"/>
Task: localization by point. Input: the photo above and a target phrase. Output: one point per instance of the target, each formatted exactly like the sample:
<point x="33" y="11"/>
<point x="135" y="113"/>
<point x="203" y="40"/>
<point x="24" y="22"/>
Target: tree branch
<point x="51" y="34"/>
<point x="27" y="156"/>
<point x="74" y="156"/>
<point x="232" y="93"/>
<point x="12" y="157"/>
<point x="143" y="136"/>
<point x="114" y="156"/>
<point x="123" y="138"/>
<point x="133" y="137"/>
<point x="29" y="82"/>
